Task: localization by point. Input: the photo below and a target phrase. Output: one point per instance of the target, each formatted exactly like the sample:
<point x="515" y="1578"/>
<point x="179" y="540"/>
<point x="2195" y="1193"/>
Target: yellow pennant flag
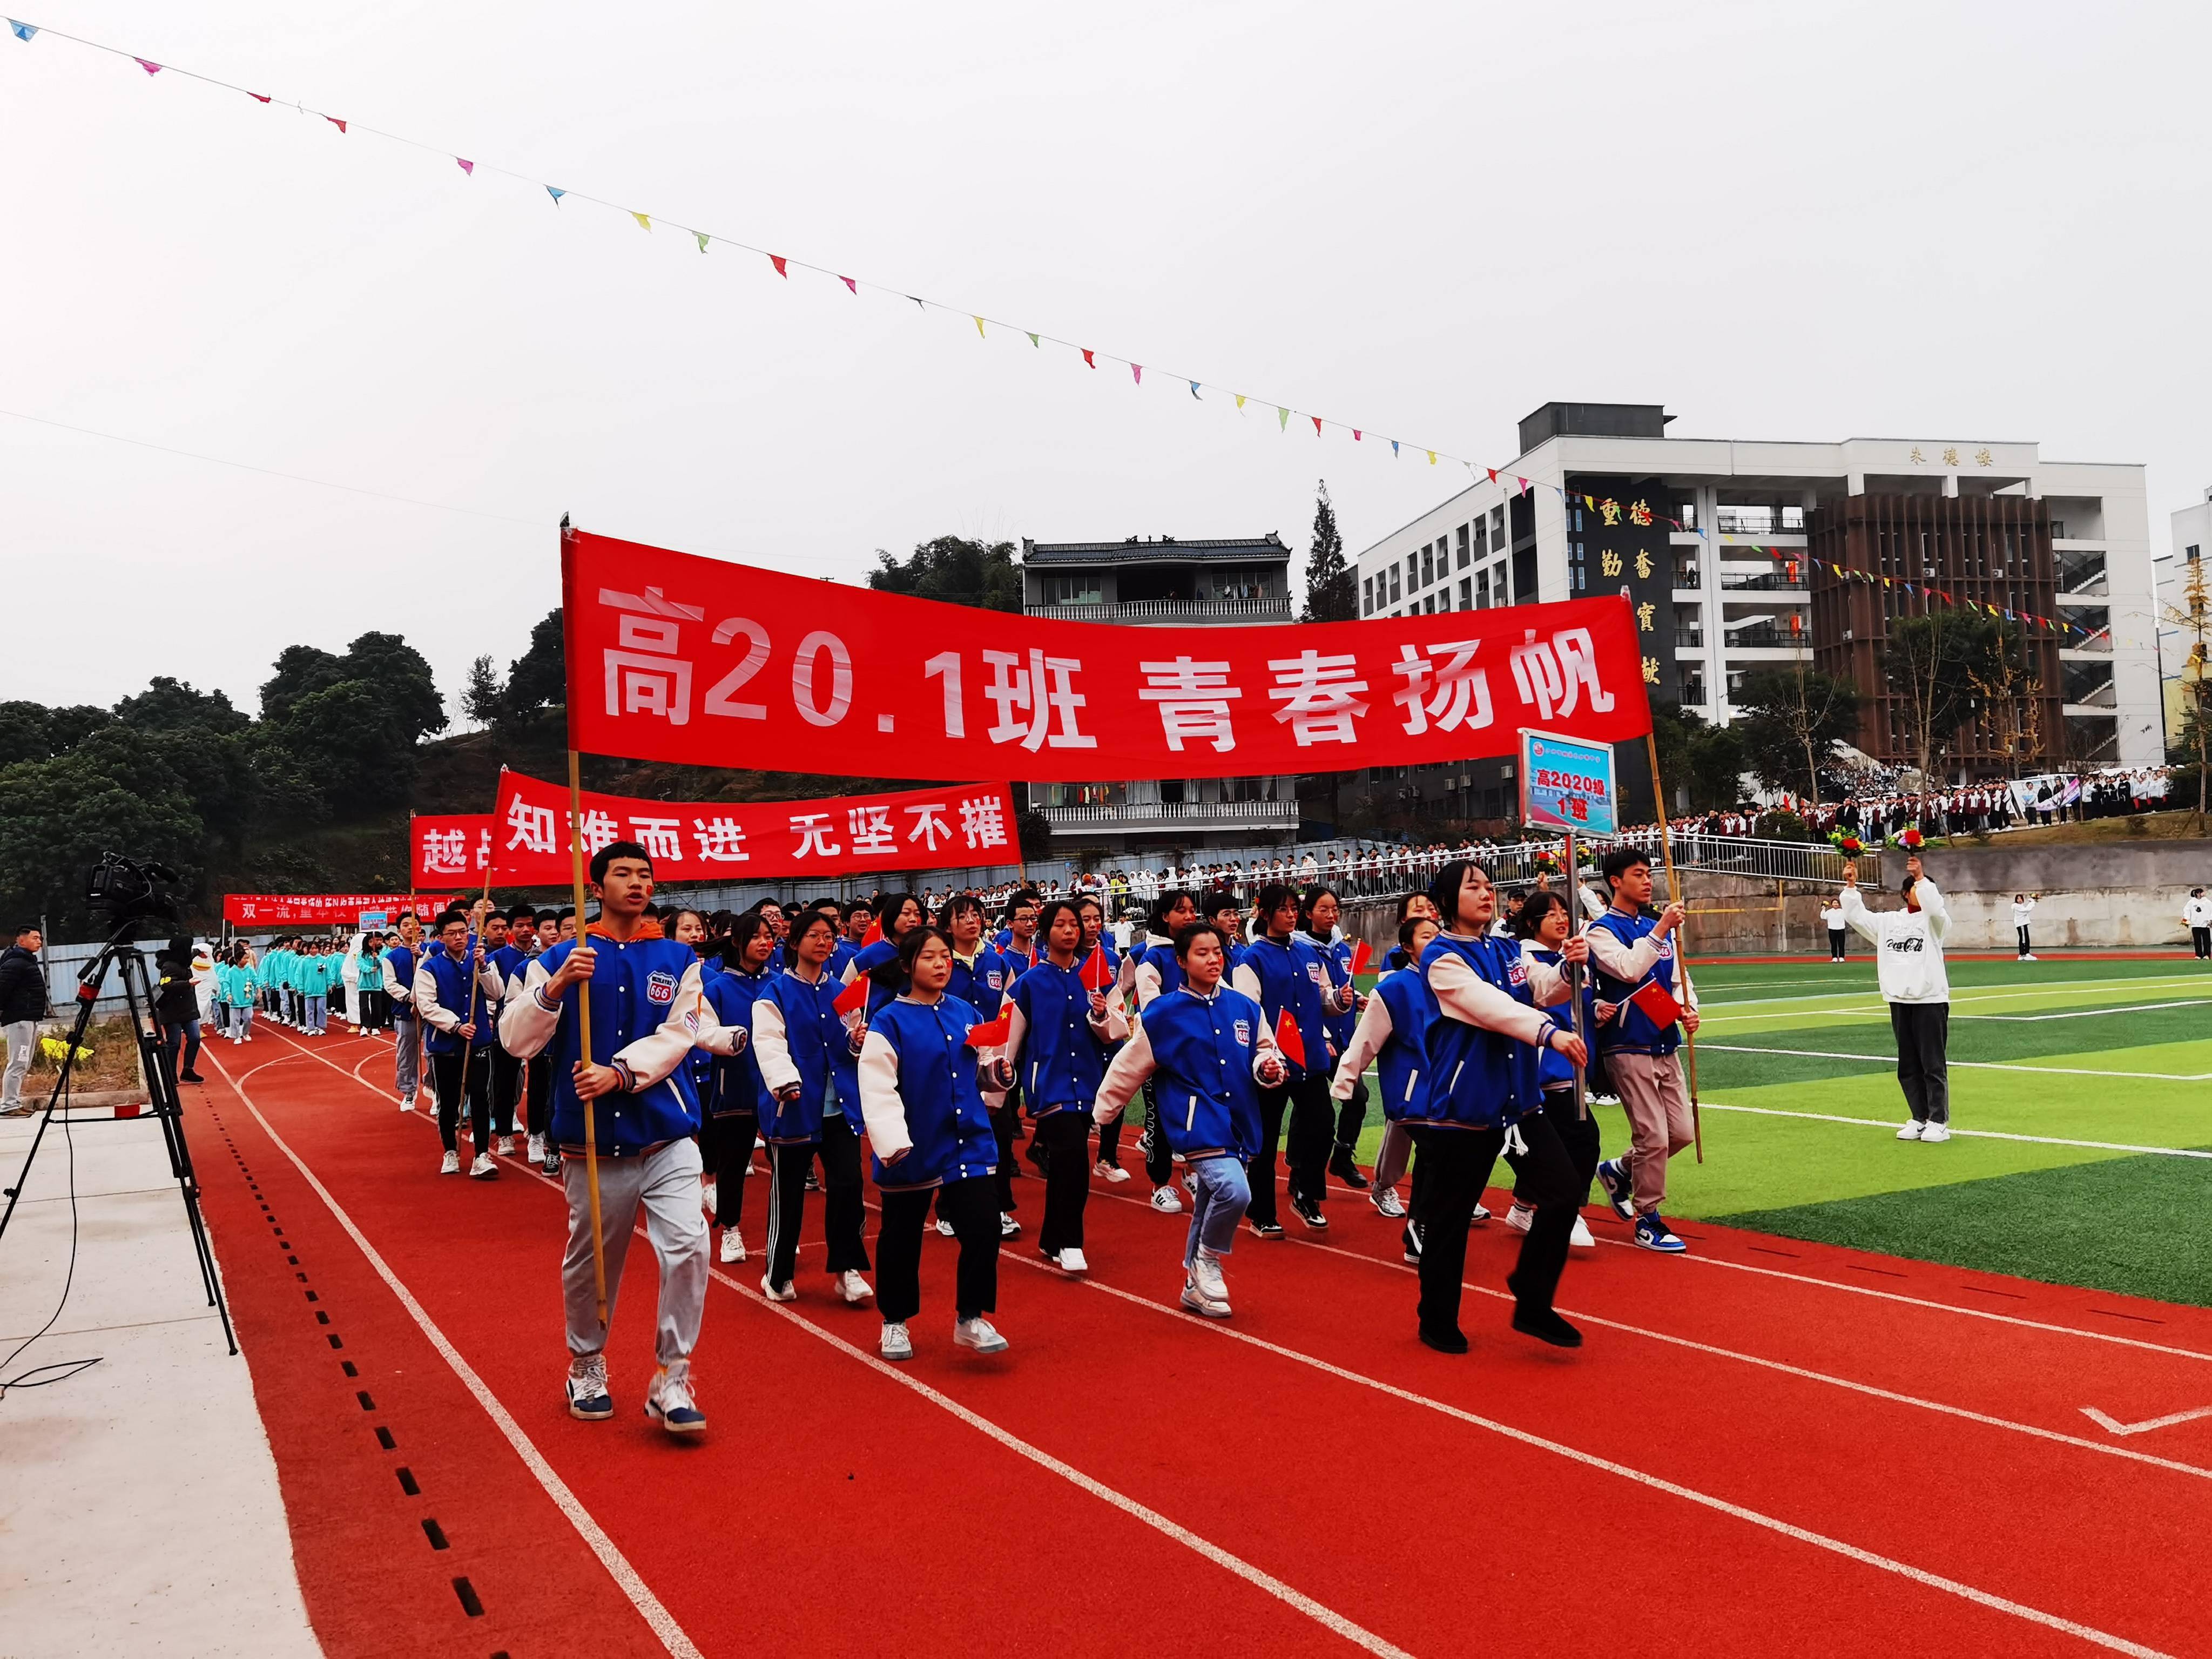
<point x="979" y="329"/>
<point x="1432" y="458"/>
<point x="643" y="222"/>
<point x="1240" y="400"/>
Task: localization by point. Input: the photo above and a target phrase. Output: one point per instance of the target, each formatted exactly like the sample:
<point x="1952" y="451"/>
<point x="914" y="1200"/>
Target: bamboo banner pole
<point x="583" y="1035"/>
<point x="1681" y="951"/>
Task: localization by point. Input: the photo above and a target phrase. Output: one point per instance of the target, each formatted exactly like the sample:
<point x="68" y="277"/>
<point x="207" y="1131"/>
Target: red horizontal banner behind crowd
<point x="266" y="909"/>
<point x="966" y="823"/>
<point x="676" y="657"/>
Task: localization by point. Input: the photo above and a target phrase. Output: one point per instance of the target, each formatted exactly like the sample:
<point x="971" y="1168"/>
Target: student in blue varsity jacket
<point x="1097" y="939"/>
<point x="406" y="1027"/>
<point x="457" y="992"/>
<point x="806" y="1051"/>
<point x="981" y="978"/>
<point x="1058" y="1034"/>
<point x="734" y="1107"/>
<point x="1392" y="1034"/>
<point x="1207" y="1051"/>
<point x="1226" y="911"/>
<point x="537" y="1069"/>
<point x="879" y="963"/>
<point x="1158" y="972"/>
<point x="1017" y="941"/>
<point x="1483" y="1086"/>
<point x="852" y="923"/>
<point x="1543" y="924"/>
<point x="688" y="927"/>
<point x="647" y="1014"/>
<point x="512" y="936"/>
<point x="929" y="1133"/>
<point x="1319" y="909"/>
<point x="1284" y="973"/>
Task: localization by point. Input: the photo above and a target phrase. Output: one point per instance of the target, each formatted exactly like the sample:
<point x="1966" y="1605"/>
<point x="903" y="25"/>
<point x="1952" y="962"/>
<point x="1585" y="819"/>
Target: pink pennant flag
<point x="1087" y="358"/>
<point x="777" y="259"/>
<point x="259" y="97"/>
<point x="1315" y="419"/>
<point x="469" y="167"/>
<point x="1355" y="435"/>
<point x="1137" y="372"/>
<point x="150" y="67"/>
<point x="335" y="122"/>
<point x="1492" y="472"/>
<point x="1522" y="482"/>
<point x="850" y="283"/>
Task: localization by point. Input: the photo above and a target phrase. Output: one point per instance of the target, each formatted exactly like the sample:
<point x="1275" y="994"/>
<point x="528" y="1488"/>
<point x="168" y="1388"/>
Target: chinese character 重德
<point x="445" y="852"/>
<point x="871" y="829"/>
<point x="1652" y="671"/>
<point x="722" y="840"/>
<point x="646" y="676"/>
<point x="1609" y="563"/>
<point x="812" y="829"/>
<point x="1951" y="456"/>
<point x="1915" y="457"/>
<point x="1042" y="690"/>
<point x="532" y="827"/>
<point x="928" y="824"/>
<point x="1983" y="458"/>
<point x="662" y="838"/>
<point x="1319" y="695"/>
<point x="1643" y="565"/>
<point x="983" y="821"/>
<point x="1644" y="612"/>
<point x="1452" y="695"/>
<point x="1193" y="698"/>
<point x="1609" y="510"/>
<point x="1553" y="674"/>
<point x="1639" y="513"/>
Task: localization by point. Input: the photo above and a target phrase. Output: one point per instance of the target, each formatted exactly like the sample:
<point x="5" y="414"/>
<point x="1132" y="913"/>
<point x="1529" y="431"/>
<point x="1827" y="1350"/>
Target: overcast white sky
<point x="1955" y="221"/>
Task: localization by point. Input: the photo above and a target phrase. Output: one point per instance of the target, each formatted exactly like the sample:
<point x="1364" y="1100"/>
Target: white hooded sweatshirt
<point x="1908" y="943"/>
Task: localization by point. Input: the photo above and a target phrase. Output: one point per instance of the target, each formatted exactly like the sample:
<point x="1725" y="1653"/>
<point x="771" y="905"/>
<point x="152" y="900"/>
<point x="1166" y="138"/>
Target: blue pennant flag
<point x="22" y="31"/>
<point x="1394" y="446"/>
<point x="1194" y="391"/>
<point x="555" y="194"/>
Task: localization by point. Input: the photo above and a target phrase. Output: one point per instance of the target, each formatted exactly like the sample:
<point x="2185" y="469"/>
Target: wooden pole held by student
<point x="584" y="1036"/>
<point x="1681" y="952"/>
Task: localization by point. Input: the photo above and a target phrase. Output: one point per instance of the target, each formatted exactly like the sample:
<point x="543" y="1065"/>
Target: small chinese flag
<point x="1659" y="1006"/>
<point x="1360" y="954"/>
<point x="1096" y="975"/>
<point x="854" y="997"/>
<point x="990" y="1034"/>
<point x="1287" y="1040"/>
<point x="874" y="935"/>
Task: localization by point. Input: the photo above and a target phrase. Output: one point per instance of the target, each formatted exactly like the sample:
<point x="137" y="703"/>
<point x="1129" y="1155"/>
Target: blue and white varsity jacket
<point x="1058" y="1050"/>
<point x="1293" y="976"/>
<point x="1627" y="956"/>
<point x="1204" y="1054"/>
<point x="735" y="1085"/>
<point x="1483" y="1042"/>
<point x="799" y="1038"/>
<point x="1392" y="1035"/>
<point x="442" y="998"/>
<point x="919" y="1093"/>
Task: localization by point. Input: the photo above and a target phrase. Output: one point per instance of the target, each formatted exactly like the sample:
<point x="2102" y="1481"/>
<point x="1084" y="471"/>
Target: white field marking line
<point x="2095" y="1013"/>
<point x="1590" y="1459"/>
<point x="1873" y="1390"/>
<point x="1988" y="992"/>
<point x="1359" y="1635"/>
<point x="2116" y="1427"/>
<point x="662" y="1622"/>
<point x="1880" y="1009"/>
<point x="1891" y="1124"/>
<point x="1958" y="1065"/>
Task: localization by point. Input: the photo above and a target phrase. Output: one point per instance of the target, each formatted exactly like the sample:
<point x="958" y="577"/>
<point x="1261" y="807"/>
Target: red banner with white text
<point x="450" y="846"/>
<point x="330" y="910"/>
<point x="947" y="828"/>
<point x="676" y="657"/>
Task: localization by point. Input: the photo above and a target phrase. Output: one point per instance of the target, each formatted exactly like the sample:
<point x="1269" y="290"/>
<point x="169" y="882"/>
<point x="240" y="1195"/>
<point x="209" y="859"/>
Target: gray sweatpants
<point x="21" y="1035"/>
<point x="666" y="1182"/>
<point x="407" y="1054"/>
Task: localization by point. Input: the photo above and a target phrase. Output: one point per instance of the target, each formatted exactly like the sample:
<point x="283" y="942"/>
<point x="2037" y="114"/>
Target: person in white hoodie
<point x="1909" y="957"/>
<point x="2198" y="913"/>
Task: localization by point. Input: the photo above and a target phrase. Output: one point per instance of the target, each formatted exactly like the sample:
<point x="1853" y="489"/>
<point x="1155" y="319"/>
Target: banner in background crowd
<point x="966" y="823"/>
<point x="450" y="846"/>
<point x="676" y="657"/>
<point x="280" y="910"/>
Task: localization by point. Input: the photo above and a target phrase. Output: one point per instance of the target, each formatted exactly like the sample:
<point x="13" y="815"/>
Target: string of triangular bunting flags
<point x="1928" y="590"/>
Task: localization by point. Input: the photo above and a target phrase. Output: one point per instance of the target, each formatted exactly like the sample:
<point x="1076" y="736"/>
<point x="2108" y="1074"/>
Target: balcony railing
<point x="1143" y="814"/>
<point x="1687" y="575"/>
<point x="1689" y="639"/>
<point x="1770" y="581"/>
<point x="1168" y="611"/>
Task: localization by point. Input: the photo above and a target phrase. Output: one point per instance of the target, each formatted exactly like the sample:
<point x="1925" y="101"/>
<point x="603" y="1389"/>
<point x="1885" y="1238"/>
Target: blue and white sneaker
<point x="1652" y="1233"/>
<point x="669" y="1400"/>
<point x="588" y="1389"/>
<point x="1613" y="1176"/>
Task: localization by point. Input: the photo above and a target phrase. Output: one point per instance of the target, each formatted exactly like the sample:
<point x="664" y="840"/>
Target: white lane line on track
<point x="1886" y="1061"/>
<point x="1690" y="1494"/>
<point x="1328" y="1616"/>
<point x="661" y="1622"/>
<point x="1958" y="1134"/>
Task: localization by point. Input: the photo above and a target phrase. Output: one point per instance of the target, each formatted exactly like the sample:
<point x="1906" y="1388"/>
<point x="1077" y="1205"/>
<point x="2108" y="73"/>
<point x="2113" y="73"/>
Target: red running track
<point x="1767" y="1446"/>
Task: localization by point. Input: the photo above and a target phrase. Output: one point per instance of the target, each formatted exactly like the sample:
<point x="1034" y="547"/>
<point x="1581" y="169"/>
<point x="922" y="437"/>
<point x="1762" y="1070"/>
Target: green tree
<point x="483" y="699"/>
<point x="954" y="570"/>
<point x="1700" y="763"/>
<point x="1332" y="585"/>
<point x="341" y="741"/>
<point x="1929" y="662"/>
<point x="538" y="679"/>
<point x="115" y="793"/>
<point x="1793" y="720"/>
<point x="300" y="669"/>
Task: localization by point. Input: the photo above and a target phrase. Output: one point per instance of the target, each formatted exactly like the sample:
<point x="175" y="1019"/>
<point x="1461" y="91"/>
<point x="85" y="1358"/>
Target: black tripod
<point x="161" y="1084"/>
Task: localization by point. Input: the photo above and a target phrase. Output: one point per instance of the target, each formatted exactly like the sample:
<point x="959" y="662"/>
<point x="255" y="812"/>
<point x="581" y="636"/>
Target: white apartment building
<point x="1727" y="582"/>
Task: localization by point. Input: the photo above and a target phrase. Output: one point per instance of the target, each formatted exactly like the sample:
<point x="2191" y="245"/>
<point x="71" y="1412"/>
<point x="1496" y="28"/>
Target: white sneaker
<point x="538" y="1149"/>
<point x="944" y="1226"/>
<point x="1388" y="1203"/>
<point x="853" y="1287"/>
<point x="1481" y="1214"/>
<point x="1936" y="1132"/>
<point x="1190" y="1182"/>
<point x="1072" y="1261"/>
<point x="1165" y="1201"/>
<point x="1519" y="1217"/>
<point x="733" y="1245"/>
<point x="1206" y="1271"/>
<point x="1008" y="1227"/>
<point x="406" y="1102"/>
<point x="501" y="1145"/>
<point x="707" y="1197"/>
<point x="669" y="1400"/>
<point x="450" y="1164"/>
<point x="483" y="1166"/>
<point x="2030" y="956"/>
<point x="784" y="1292"/>
<point x="1107" y="1172"/>
<point x="1199" y="1302"/>
<point x="750" y="1172"/>
<point x="896" y="1343"/>
<point x="978" y="1334"/>
<point x="1581" y="1236"/>
<point x="1912" y="1131"/>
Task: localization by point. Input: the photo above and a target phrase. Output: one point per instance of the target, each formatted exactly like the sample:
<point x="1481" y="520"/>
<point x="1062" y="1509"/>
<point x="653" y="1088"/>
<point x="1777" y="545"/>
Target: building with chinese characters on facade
<point x="1728" y="552"/>
<point x="1166" y="584"/>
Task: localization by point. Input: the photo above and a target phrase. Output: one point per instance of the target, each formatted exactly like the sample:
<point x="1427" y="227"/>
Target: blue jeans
<point x="187" y="1036"/>
<point x="319" y="1014"/>
<point x="1223" y="1192"/>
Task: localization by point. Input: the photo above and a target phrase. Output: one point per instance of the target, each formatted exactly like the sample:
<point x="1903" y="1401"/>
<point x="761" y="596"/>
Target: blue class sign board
<point x="1567" y="784"/>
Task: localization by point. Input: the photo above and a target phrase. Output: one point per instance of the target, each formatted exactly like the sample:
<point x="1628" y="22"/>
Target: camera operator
<point x="22" y="1004"/>
<point x="177" y="1008"/>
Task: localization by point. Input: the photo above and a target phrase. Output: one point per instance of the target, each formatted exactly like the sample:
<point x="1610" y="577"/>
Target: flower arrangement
<point x="1846" y="843"/>
<point x="1909" y="838"/>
